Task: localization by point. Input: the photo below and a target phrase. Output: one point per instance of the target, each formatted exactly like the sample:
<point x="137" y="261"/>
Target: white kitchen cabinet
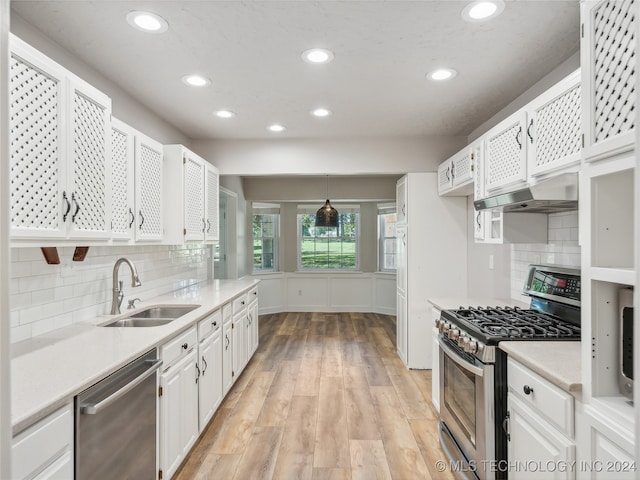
<point x="253" y="334"/>
<point x="607" y="56"/>
<point x="455" y="175"/>
<point x="401" y="202"/>
<point x="210" y="365"/>
<point x="505" y="157"/>
<point x="178" y="400"/>
<point x="435" y="368"/>
<point x="540" y="424"/>
<point x="60" y="142"/>
<point x="137" y="203"/>
<point x="191" y="191"/>
<point x="431" y="263"/>
<point x="227" y="349"/>
<point x="239" y="340"/>
<point x="45" y="449"/>
<point x="554" y="127"/>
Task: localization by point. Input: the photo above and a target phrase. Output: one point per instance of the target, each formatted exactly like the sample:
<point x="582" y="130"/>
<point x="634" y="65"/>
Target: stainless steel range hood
<point x="557" y="194"/>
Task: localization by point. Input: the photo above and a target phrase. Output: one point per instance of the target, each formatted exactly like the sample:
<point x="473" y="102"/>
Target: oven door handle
<point x="477" y="371"/>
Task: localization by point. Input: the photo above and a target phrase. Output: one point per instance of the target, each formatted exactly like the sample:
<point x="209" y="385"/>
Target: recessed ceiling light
<point x="321" y="112"/>
<point x="224" y="114"/>
<point x="276" y="127"/>
<point x="482" y="10"/>
<point x="317" y="55"/>
<point x="147" y="22"/>
<point x="442" y="74"/>
<point x="196" y="80"/>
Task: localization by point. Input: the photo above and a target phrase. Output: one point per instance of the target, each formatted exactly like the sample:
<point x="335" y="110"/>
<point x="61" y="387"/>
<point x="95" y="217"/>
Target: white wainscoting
<point x="327" y="292"/>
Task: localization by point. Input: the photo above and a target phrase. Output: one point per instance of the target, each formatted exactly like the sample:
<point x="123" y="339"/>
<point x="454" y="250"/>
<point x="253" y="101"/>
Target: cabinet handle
<point x="208" y="225"/>
<point x="527" y="390"/>
<point x="66" y="213"/>
<point x="404" y="209"/>
<point x="518" y="137"/>
<point x="75" y="200"/>
<point x="215" y="324"/>
<point x="529" y="131"/>
<point x="226" y="337"/>
<point x="204" y="225"/>
<point x="453" y="173"/>
<point x="197" y="372"/>
<point x="478" y="219"/>
<point x="506" y="427"/>
<point x="447" y="174"/>
<point x="133" y="218"/>
<point x="204" y="363"/>
<point x="185" y="346"/>
<point x="141" y="219"/>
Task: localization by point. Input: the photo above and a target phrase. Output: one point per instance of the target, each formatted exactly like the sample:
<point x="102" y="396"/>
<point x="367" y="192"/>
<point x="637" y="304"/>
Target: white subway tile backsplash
<point x="562" y="249"/>
<point x="45" y="297"/>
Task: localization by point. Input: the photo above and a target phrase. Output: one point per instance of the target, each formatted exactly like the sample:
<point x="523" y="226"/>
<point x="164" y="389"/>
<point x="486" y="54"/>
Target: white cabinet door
<point x="252" y="328"/>
<point x="89" y="156"/>
<point x="122" y="180"/>
<point x="401" y="295"/>
<point x="193" y="188"/>
<point x="401" y="326"/>
<point x="445" y="178"/>
<point x="148" y="188"/>
<point x="239" y="342"/>
<point x="178" y="413"/>
<point x="211" y="189"/>
<point x="435" y="370"/>
<point x="506" y="153"/>
<point x="607" y="51"/>
<point x="401" y="201"/>
<point x="534" y="441"/>
<point x="554" y="129"/>
<point x="210" y="381"/>
<point x="227" y="356"/>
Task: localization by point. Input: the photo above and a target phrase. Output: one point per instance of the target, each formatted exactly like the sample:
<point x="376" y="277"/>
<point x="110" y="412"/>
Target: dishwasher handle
<point x="95" y="408"/>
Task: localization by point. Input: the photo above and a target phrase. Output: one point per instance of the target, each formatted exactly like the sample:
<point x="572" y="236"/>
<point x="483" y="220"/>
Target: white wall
<point x="124" y="106"/>
<point x="5" y="380"/>
<point x="46" y="297"/>
<point x="342" y="156"/>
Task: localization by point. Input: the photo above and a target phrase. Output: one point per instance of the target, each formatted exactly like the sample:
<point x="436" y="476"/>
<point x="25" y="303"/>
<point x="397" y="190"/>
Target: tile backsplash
<point x="561" y="249"/>
<point x="46" y="297"/>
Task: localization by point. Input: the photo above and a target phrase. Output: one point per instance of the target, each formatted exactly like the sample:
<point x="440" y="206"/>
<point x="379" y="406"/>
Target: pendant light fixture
<point x="327" y="216"/>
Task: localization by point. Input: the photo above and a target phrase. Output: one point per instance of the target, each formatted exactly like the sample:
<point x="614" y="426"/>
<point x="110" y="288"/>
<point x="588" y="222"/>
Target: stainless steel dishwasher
<point x="116" y="424"/>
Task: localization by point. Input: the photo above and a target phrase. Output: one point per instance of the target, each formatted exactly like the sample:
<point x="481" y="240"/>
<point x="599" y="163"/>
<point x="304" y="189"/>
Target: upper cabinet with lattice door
<point x="608" y="57"/>
<point x="505" y="159"/>
<point x="191" y="195"/>
<point x="60" y="160"/>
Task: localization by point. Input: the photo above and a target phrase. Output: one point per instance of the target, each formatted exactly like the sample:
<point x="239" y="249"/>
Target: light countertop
<point x="558" y="362"/>
<point x="49" y="370"/>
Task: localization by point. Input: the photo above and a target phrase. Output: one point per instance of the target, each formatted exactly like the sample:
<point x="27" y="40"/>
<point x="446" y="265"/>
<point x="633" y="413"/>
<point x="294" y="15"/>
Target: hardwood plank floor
<point x="324" y="397"/>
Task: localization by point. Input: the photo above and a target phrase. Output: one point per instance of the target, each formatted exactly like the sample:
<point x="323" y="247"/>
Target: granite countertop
<point x="558" y="362"/>
<point x="448" y="303"/>
<point x="49" y="370"/>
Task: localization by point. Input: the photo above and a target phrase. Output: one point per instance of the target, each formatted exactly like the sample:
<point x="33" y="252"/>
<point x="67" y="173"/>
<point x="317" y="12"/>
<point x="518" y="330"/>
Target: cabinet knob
<point x="215" y="324"/>
<point x="185" y="346"/>
<point x="527" y="390"/>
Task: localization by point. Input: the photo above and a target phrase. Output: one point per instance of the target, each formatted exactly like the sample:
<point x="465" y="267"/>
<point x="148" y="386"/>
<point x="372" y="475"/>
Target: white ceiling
<point x="375" y="86"/>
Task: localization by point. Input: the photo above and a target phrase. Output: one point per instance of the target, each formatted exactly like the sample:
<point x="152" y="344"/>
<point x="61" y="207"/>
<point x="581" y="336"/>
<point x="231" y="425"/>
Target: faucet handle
<point x="132" y="303"/>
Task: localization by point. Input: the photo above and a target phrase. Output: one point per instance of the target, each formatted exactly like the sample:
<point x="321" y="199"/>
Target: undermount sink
<point x="153" y="316"/>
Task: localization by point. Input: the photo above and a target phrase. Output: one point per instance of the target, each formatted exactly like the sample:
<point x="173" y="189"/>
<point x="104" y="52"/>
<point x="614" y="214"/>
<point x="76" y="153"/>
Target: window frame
<point x="266" y="209"/>
<point x="382" y="210"/>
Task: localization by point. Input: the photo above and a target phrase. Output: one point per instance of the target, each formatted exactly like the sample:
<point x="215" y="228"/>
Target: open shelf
<point x="624" y="276"/>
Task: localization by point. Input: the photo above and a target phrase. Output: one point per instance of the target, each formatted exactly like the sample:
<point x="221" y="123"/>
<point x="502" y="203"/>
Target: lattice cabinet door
<point x="445" y="178"/>
<point x="193" y="177"/>
<point x="554" y="134"/>
<point x="37" y="98"/>
<point x="462" y="167"/>
<point x="122" y="177"/>
<point x="149" y="166"/>
<point x="608" y="59"/>
<point x="212" y="209"/>
<point x="506" y="153"/>
<point x="90" y="161"/>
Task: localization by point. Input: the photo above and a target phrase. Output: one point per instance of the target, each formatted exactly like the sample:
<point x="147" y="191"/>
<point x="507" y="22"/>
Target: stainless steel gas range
<point x="473" y="370"/>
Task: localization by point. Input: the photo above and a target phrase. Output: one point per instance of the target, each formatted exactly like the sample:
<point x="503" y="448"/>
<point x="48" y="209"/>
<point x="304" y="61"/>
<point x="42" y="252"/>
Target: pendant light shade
<point x="327" y="216"/>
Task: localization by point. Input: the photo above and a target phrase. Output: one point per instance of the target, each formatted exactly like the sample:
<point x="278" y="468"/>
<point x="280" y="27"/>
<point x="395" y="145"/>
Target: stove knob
<point x="453" y="334"/>
<point x="463" y="340"/>
<point x="445" y="328"/>
<point x="471" y="346"/>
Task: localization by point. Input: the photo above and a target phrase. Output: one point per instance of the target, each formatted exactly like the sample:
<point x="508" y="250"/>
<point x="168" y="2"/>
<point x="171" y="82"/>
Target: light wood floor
<point x="324" y="397"/>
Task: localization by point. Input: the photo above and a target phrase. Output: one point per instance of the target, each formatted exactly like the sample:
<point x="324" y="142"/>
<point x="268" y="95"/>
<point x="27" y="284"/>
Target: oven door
<point x="467" y="410"/>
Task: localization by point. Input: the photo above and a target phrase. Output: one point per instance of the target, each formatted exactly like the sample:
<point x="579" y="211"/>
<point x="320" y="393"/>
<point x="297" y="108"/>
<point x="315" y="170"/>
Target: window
<point x="266" y="219"/>
<point x="387" y="255"/>
<point x="325" y="248"/>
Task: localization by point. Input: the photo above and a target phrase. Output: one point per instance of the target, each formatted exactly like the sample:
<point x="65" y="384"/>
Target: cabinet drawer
<point x="239" y="303"/>
<point x="253" y="294"/>
<point x="42" y="444"/>
<point x="548" y="400"/>
<point x="179" y="347"/>
<point x="210" y="324"/>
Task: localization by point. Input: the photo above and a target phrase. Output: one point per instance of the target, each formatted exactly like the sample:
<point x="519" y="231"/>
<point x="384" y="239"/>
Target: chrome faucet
<point x="118" y="294"/>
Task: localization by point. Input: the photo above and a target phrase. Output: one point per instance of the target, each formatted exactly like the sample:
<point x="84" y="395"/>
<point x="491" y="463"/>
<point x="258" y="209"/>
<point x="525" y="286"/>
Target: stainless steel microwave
<point x="625" y="376"/>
